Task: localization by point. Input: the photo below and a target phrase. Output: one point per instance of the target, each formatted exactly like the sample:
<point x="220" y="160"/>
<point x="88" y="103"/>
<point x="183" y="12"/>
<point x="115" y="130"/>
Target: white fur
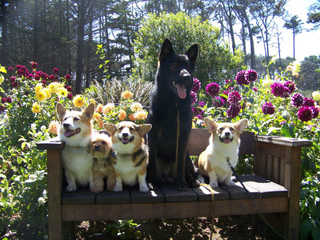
<point x="213" y="162"/>
<point x="77" y="159"/>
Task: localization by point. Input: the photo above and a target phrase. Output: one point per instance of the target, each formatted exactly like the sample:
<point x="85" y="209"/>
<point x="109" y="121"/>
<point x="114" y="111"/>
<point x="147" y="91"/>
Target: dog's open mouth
<point x="226" y="140"/>
<point x="182" y="92"/>
<point x="126" y="140"/>
<point x="70" y="133"/>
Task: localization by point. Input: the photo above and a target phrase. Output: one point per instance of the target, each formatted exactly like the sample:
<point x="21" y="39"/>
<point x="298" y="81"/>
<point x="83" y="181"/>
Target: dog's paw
<point x="194" y="183"/>
<point x="214" y="184"/>
<point x="71" y="188"/>
<point x="153" y="186"/>
<point x="96" y="189"/>
<point x="143" y="188"/>
<point x="117" y="188"/>
<point x="230" y="183"/>
<point x="183" y="187"/>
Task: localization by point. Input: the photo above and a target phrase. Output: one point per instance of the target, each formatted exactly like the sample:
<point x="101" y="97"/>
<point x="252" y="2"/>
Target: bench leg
<point x="69" y="230"/>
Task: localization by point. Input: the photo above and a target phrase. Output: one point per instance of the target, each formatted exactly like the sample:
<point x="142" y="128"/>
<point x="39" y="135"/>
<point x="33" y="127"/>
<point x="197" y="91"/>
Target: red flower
<point x="233" y="110"/>
<point x="196" y="85"/>
<point x="69" y="96"/>
<point x="67" y="77"/>
<point x="55" y="70"/>
<point x="12" y="79"/>
<point x="69" y="89"/>
<point x="308" y="102"/>
<point x="234" y="97"/>
<point x="10" y="69"/>
<point x="305" y="114"/>
<point x="241" y="79"/>
<point x="268" y="108"/>
<point x="213" y="89"/>
<point x="9" y="100"/>
<point x="3" y="100"/>
<point x="251" y="75"/>
<point x="30" y="76"/>
<point x="18" y="67"/>
<point x="277" y="89"/>
<point x="290" y="85"/>
<point x="14" y="84"/>
<point x="34" y="65"/>
<point x="194" y="98"/>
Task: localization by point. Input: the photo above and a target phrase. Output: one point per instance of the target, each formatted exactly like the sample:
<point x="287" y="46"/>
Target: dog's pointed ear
<point x="110" y="128"/>
<point x="166" y="50"/>
<point x="61" y="111"/>
<point x="144" y="128"/>
<point x="211" y="125"/>
<point x="88" y="111"/>
<point x="241" y="125"/>
<point x="192" y="53"/>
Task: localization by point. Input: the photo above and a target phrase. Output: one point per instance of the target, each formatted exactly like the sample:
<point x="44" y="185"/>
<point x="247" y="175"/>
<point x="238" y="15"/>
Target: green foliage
<point x="215" y="61"/>
<point x="124" y="229"/>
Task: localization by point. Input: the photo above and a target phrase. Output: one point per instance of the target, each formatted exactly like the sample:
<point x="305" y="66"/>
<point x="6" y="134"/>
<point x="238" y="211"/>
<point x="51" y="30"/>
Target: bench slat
<point x="152" y="196"/>
<point x="171" y="194"/>
<point x="80" y="196"/>
<point x="113" y="197"/>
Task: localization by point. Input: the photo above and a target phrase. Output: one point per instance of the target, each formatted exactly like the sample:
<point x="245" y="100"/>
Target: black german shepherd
<point x="170" y="114"/>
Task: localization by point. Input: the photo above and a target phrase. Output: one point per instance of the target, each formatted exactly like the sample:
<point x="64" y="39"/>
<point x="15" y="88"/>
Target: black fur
<point x="173" y="70"/>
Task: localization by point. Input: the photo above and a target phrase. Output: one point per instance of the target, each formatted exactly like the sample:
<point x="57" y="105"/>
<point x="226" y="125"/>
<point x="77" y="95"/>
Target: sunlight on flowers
<point x="126" y="94"/>
<point x="78" y="101"/>
<point x="36" y="108"/>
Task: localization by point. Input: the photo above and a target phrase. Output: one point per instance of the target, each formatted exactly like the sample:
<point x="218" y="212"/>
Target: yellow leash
<point x="207" y="186"/>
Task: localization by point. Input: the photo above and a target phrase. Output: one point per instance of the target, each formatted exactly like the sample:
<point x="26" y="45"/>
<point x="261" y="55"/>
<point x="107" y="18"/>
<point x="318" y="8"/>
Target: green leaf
<point x="288" y="130"/>
<point x="316" y="232"/>
<point x="305" y="229"/>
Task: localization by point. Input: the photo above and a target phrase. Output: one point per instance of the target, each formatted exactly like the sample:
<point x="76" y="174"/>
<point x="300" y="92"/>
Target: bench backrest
<point x="199" y="140"/>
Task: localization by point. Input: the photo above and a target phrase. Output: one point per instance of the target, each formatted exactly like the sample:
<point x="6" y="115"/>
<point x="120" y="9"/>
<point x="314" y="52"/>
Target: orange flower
<point x="53" y="127"/>
<point x="107" y="108"/>
<point x="126" y="94"/>
<point x="122" y="115"/>
<point x="131" y="117"/>
<point x="99" y="108"/>
<point x="100" y="124"/>
<point x="97" y="116"/>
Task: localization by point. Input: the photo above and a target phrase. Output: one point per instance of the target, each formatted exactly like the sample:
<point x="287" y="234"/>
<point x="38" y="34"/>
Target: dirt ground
<point x="233" y="228"/>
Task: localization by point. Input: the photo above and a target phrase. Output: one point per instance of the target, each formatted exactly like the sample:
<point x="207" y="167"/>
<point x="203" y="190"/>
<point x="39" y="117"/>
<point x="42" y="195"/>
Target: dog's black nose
<point x="66" y="125"/>
<point x="186" y="77"/>
<point x="125" y="135"/>
<point x="227" y="134"/>
<point x="96" y="148"/>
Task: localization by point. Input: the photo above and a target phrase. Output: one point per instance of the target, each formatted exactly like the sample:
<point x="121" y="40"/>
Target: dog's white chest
<point x="127" y="170"/>
<point x="79" y="162"/>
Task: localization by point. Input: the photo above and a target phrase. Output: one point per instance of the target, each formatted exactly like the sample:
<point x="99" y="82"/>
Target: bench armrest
<point x="51" y="144"/>
<point x="284" y="141"/>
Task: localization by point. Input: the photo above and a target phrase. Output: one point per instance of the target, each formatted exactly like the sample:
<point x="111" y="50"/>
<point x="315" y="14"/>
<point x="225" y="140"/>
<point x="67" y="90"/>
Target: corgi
<point x="102" y="167"/>
<point x="223" y="149"/>
<point x="131" y="154"/>
<point x="76" y="131"/>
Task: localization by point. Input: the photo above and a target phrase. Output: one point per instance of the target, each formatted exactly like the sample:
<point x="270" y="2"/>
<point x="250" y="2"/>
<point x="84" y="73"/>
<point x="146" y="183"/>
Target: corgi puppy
<point x="76" y="131"/>
<point x="131" y="154"/>
<point x="223" y="149"/>
<point x="102" y="167"/>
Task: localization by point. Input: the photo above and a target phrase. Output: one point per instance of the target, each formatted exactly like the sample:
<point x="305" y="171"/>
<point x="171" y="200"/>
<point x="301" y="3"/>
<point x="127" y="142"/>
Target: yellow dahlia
<point x="63" y="92"/>
<point x="36" y="108"/>
<point x="38" y="87"/>
<point x="141" y="115"/>
<point x="78" y="101"/>
<point x="107" y="108"/>
<point x="316" y="96"/>
<point x="41" y="95"/>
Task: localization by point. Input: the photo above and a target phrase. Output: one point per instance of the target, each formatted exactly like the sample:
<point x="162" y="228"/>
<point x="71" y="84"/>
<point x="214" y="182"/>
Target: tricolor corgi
<point x="131" y="154"/>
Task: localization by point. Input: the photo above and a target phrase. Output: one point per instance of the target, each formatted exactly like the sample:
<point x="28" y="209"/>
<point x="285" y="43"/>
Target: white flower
<point x="43" y="128"/>
<point x="33" y="126"/>
<point x="41" y="201"/>
<point x="33" y="177"/>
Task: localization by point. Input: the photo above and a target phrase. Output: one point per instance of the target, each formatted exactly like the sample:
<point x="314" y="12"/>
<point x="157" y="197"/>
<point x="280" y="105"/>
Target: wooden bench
<point x="274" y="186"/>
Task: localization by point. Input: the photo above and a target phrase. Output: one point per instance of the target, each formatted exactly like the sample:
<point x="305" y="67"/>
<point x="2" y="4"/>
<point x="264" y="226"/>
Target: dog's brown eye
<point x="220" y="129"/>
<point x="131" y="128"/>
<point x="120" y="128"/>
<point x="103" y="143"/>
<point x="76" y="118"/>
<point x="232" y="129"/>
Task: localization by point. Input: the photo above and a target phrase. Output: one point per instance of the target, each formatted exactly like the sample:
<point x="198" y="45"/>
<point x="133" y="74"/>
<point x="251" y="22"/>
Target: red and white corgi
<point x="131" y="154"/>
<point x="223" y="149"/>
<point x="76" y="131"/>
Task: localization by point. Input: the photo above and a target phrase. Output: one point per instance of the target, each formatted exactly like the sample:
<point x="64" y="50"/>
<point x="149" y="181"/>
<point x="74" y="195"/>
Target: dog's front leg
<point x="118" y="186"/>
<point x="229" y="181"/>
<point x="71" y="180"/>
<point x="152" y="177"/>
<point x="213" y="179"/>
<point x="181" y="165"/>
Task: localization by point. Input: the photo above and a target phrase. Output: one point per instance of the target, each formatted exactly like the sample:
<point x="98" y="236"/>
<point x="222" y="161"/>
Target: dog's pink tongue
<point x="125" y="140"/>
<point x="181" y="91"/>
<point x="226" y="140"/>
<point x="68" y="133"/>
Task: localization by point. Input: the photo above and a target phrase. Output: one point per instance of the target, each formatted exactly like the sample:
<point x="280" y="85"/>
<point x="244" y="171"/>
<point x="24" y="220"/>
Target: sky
<point x="307" y="43"/>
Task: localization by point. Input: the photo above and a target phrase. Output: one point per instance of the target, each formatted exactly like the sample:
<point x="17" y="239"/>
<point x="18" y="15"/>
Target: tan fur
<point x="102" y="166"/>
<point x="76" y="131"/>
<point x="131" y="155"/>
<point x="213" y="161"/>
